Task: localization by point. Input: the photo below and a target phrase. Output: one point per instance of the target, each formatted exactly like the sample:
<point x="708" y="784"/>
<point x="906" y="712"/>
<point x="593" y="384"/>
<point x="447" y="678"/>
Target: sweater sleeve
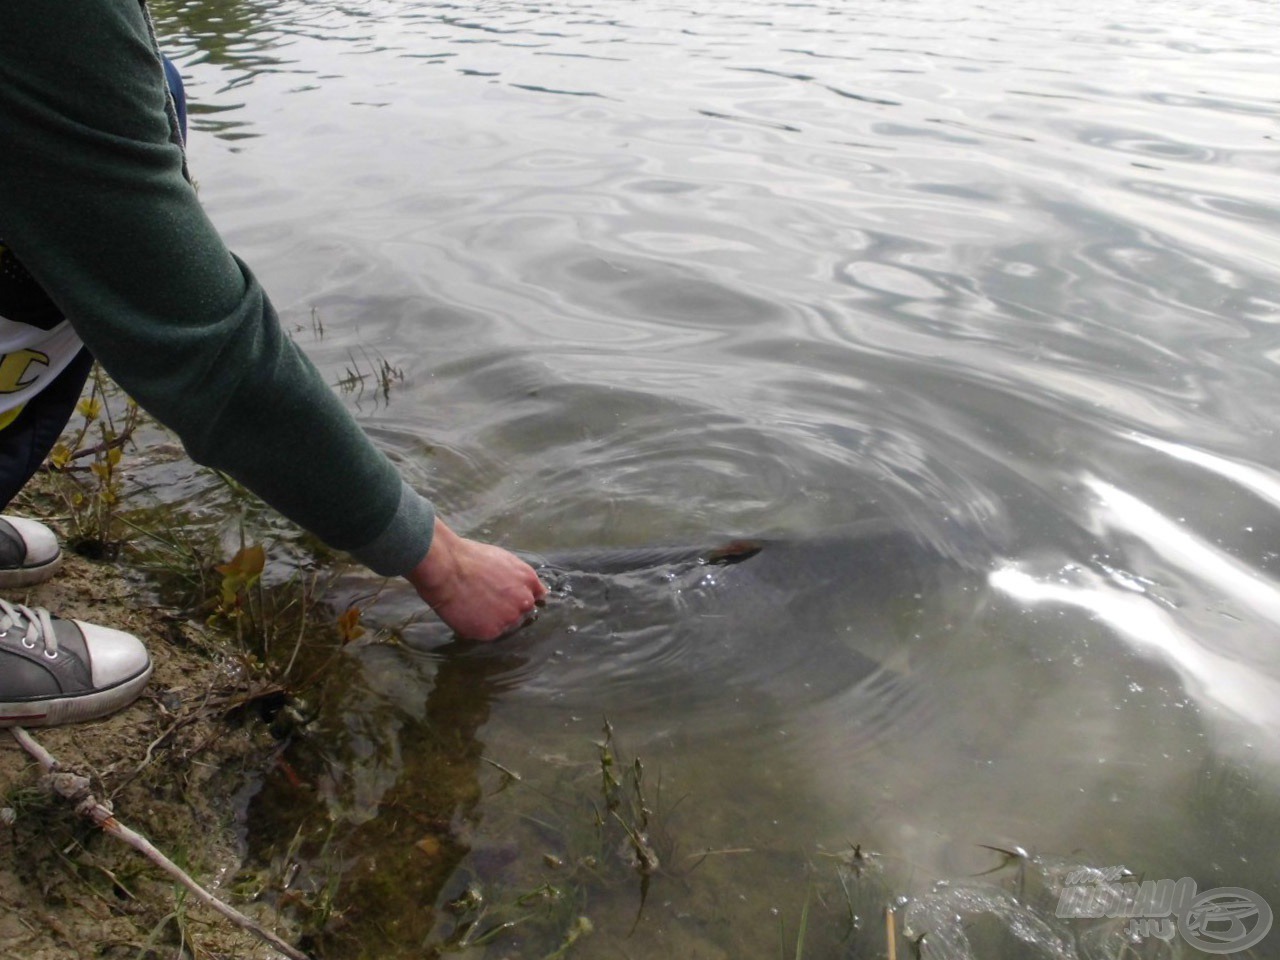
<point x="94" y="203"/>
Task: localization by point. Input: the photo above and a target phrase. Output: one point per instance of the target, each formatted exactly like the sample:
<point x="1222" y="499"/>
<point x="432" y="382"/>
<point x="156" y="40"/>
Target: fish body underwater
<point x="745" y="625"/>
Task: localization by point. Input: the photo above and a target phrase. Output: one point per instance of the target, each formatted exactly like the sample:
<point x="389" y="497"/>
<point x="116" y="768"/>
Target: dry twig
<point x="75" y="789"/>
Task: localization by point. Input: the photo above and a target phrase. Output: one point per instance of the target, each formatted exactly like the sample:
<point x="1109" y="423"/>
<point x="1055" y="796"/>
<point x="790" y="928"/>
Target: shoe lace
<point x="38" y="623"/>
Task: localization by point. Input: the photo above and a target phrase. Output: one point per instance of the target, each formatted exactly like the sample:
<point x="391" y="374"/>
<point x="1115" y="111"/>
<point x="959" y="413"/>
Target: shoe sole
<point x="77" y="709"/>
<point x="29" y="576"/>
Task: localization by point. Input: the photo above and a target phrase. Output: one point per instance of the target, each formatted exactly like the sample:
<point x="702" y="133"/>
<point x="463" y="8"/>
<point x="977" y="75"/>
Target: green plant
<point x="800" y="932"/>
<point x="93" y="501"/>
<point x="286" y="637"/>
<point x="313" y="899"/>
<point x="378" y="370"/>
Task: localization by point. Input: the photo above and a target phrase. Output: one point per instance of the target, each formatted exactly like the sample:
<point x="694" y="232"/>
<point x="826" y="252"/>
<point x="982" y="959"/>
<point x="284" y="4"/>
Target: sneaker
<point x="29" y="552"/>
<point x="62" y="671"/>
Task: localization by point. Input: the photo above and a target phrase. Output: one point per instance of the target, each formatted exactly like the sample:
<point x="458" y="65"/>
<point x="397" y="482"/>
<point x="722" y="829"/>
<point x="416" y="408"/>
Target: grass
<point x="800" y="932"/>
<point x="377" y="374"/>
<point x="86" y="461"/>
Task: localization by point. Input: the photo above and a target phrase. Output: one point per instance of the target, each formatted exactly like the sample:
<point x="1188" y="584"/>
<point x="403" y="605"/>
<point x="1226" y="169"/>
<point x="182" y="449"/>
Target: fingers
<point x="529" y="608"/>
<point x="481" y="591"/>
<point x="525" y="619"/>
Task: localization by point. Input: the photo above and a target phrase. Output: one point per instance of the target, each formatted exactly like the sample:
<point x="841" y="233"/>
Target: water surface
<point x="655" y="272"/>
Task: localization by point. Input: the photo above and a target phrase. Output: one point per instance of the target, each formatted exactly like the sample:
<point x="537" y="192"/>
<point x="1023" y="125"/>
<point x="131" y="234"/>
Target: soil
<point x="177" y="765"/>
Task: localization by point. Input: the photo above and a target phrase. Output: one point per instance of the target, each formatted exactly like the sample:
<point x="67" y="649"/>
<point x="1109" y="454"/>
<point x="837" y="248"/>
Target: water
<point x="664" y="273"/>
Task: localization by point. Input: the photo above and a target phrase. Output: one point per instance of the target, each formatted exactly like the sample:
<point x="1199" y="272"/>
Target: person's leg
<point x="29" y="551"/>
<point x="51" y="670"/>
<point x="26" y="441"/>
<point x="178" y="92"/>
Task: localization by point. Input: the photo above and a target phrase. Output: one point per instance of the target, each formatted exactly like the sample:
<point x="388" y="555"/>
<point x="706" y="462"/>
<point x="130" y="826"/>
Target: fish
<point x="751" y="625"/>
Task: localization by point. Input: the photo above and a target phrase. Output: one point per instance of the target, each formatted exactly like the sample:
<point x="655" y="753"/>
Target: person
<point x="107" y="254"/>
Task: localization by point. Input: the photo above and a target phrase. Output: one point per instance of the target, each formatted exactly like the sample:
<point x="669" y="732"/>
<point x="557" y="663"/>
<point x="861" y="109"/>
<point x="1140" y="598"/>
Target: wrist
<point x="437" y="574"/>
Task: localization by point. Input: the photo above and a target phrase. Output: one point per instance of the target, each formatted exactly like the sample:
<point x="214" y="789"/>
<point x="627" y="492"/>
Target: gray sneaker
<point x="29" y="552"/>
<point x="56" y="671"/>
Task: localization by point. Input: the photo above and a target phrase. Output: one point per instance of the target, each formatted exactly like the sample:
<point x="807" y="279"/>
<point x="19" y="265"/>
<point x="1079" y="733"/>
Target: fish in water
<point x="756" y="623"/>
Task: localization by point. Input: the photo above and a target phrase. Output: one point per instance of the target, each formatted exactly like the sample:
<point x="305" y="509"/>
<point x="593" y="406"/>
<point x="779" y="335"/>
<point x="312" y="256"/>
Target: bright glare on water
<point x="1004" y="279"/>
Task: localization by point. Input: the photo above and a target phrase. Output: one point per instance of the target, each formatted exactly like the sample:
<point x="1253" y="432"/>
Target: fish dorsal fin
<point x="735" y="551"/>
<point x="627" y="559"/>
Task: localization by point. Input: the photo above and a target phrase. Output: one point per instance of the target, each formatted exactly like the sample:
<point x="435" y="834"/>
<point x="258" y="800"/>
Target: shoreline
<point x="175" y="764"/>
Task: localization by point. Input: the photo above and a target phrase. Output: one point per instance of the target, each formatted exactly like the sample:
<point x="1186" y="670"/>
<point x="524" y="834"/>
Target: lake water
<point x="1003" y="276"/>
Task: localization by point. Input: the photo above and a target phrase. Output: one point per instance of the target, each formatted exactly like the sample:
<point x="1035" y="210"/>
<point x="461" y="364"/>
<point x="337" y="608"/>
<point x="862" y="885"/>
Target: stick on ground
<point x="75" y="789"/>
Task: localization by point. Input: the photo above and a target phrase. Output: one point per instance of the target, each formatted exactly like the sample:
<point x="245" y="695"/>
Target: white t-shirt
<point x="30" y="358"/>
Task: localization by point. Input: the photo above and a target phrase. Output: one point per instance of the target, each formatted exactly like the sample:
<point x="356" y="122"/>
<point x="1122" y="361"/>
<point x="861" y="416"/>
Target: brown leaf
<point x="241" y="572"/>
<point x="349" y="625"/>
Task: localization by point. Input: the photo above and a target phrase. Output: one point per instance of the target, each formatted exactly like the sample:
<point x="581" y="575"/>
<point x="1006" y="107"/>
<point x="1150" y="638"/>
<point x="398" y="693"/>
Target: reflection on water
<point x="662" y="274"/>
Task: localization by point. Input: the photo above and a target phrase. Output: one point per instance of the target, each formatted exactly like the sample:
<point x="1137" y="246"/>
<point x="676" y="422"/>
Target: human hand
<point x="479" y="590"/>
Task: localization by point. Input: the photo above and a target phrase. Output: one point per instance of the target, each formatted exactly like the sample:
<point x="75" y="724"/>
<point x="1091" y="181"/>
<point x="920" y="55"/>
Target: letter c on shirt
<point x="16" y="372"/>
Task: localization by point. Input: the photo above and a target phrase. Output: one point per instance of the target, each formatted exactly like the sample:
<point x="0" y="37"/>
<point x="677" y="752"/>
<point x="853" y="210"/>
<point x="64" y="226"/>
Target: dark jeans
<point x="179" y="93"/>
<point x="27" y="441"/>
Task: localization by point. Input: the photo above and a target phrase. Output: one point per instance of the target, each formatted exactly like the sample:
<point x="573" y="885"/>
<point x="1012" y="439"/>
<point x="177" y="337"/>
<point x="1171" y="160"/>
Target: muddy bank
<point x="176" y="765"/>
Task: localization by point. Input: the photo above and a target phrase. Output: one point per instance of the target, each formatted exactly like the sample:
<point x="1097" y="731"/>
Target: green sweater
<point x="93" y="202"/>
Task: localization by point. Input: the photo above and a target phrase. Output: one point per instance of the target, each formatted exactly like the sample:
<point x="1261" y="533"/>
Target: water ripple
<point x="656" y="275"/>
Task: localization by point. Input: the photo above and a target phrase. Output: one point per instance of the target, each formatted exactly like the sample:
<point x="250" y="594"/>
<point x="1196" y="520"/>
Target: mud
<point x="174" y="764"/>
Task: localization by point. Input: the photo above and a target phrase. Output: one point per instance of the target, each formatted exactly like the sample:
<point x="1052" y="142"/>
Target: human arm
<point x="94" y="204"/>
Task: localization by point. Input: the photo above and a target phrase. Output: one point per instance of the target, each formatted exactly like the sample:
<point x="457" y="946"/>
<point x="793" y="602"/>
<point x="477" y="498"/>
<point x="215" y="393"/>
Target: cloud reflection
<point x="1219" y="683"/>
<point x="1176" y="545"/>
